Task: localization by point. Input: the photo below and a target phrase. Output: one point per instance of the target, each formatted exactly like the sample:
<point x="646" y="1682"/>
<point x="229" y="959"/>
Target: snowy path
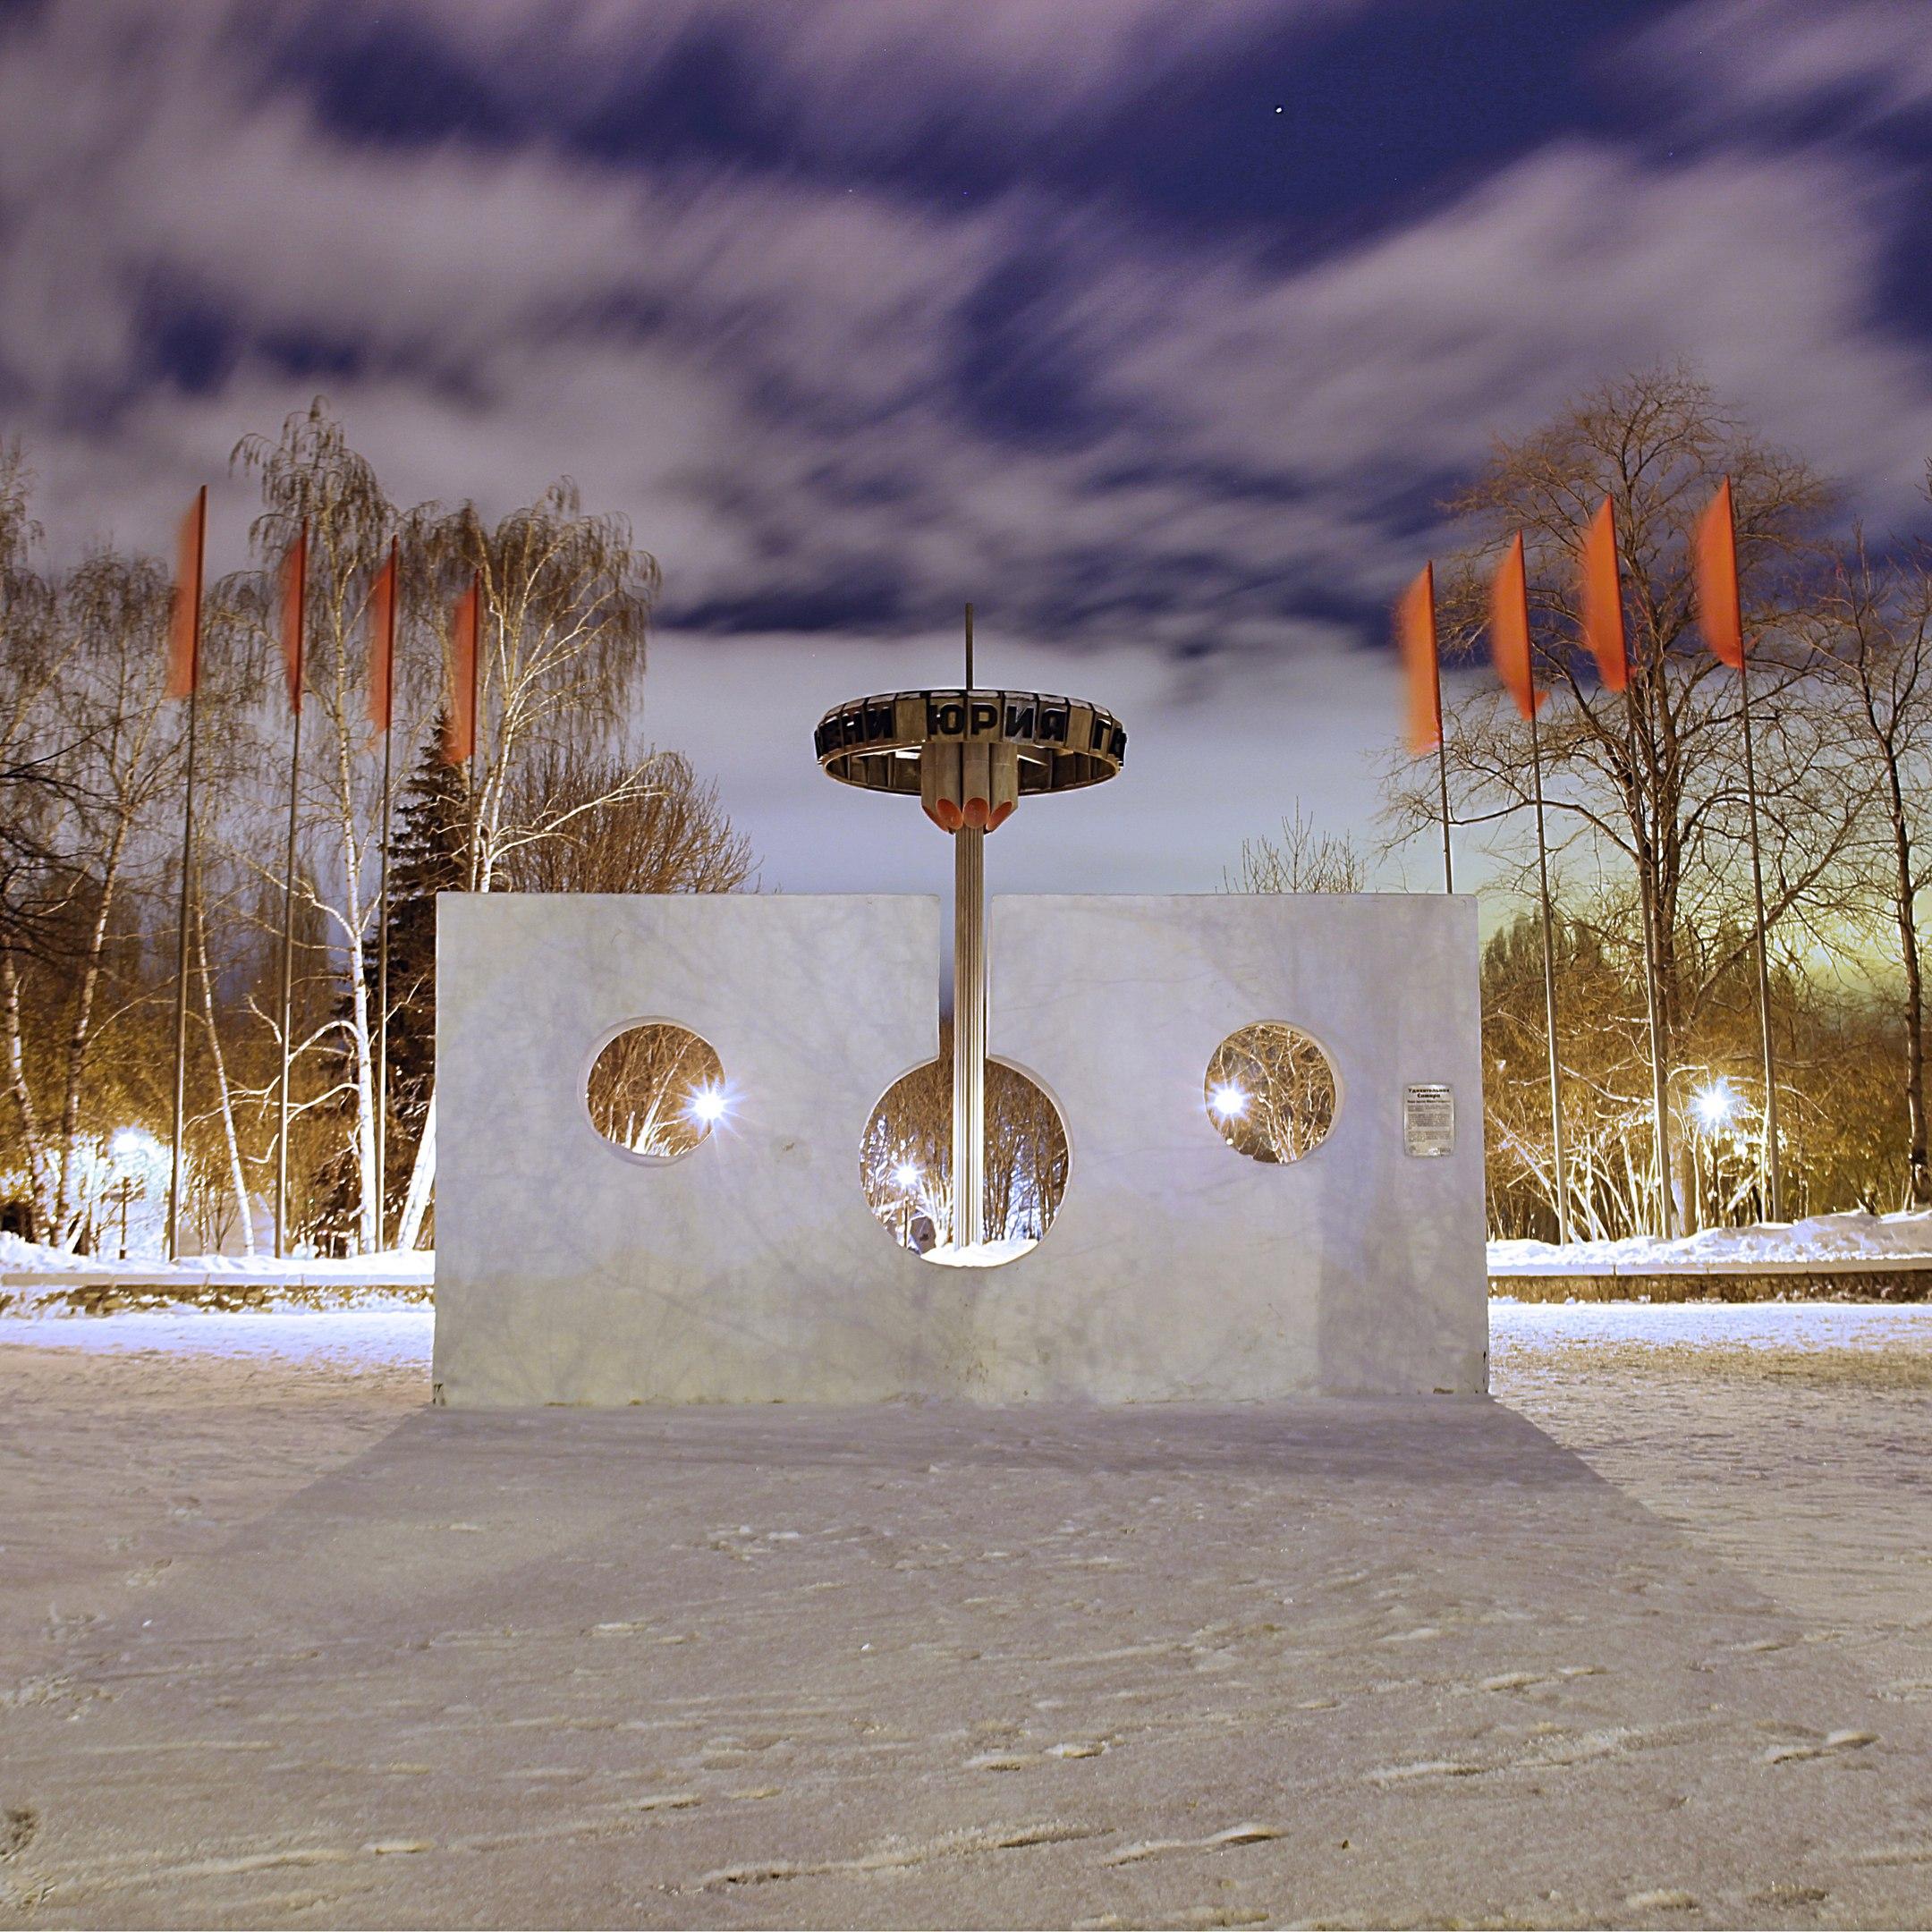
<point x="284" y="1646"/>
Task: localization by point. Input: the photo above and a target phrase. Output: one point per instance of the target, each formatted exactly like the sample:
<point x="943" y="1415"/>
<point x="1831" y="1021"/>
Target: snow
<point x="982" y="1254"/>
<point x="1647" y="1640"/>
<point x="1804" y="1326"/>
<point x="1851" y="1240"/>
<point x="388" y="1334"/>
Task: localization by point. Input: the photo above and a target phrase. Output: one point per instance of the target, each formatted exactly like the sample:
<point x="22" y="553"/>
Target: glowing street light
<point x="131" y="1148"/>
<point x="1714" y="1106"/>
<point x="1228" y="1101"/>
<point x="708" y="1104"/>
<point x="906" y="1176"/>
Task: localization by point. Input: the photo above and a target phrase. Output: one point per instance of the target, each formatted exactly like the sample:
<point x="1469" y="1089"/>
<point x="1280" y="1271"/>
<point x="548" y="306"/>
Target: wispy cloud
<point x="835" y="403"/>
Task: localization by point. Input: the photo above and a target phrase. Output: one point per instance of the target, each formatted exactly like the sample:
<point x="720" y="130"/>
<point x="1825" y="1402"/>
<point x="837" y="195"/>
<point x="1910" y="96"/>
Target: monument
<point x="1272" y="1104"/>
<point x="971" y="756"/>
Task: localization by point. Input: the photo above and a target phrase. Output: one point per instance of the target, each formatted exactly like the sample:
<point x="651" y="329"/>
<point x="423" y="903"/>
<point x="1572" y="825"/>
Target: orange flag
<point x="1509" y="630"/>
<point x="1600" y="595"/>
<point x="294" y="604"/>
<point x="459" y="722"/>
<point x="382" y="605"/>
<point x="1714" y="553"/>
<point x="1415" y="635"/>
<point x="184" y="618"/>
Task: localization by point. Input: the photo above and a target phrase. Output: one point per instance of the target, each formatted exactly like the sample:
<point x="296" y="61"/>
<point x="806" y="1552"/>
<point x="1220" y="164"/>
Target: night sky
<point x="1158" y="327"/>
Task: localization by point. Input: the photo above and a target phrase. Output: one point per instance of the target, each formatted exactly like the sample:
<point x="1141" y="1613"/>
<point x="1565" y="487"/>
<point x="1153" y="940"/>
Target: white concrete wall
<point x="750" y="1270"/>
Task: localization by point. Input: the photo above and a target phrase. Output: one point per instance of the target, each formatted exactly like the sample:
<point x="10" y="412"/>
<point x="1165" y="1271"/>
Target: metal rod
<point x="187" y="875"/>
<point x="382" y="931"/>
<point x="288" y="997"/>
<point x="969" y="1037"/>
<point x="298" y="596"/>
<point x="1549" y="989"/>
<point x="969" y="1020"/>
<point x="1773" y="1161"/>
<point x="1659" y="1070"/>
<point x="1442" y="776"/>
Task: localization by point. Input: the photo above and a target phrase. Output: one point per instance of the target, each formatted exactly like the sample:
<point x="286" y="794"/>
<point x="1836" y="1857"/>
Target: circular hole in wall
<point x="905" y="1164"/>
<point x="656" y="1090"/>
<point x="1270" y="1092"/>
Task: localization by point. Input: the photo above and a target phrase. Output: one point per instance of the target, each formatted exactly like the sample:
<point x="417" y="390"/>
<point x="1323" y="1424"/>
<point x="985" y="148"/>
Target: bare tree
<point x="601" y="823"/>
<point x="1872" y="633"/>
<point x="1652" y="782"/>
<point x="1302" y="860"/>
<point x="112" y="611"/>
<point x="310" y="476"/>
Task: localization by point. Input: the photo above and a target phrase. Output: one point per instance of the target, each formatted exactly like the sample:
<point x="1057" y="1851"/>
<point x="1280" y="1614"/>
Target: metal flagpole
<point x="1442" y="777"/>
<point x="382" y="934"/>
<point x="1773" y="1163"/>
<point x="1659" y="1072"/>
<point x="298" y="593"/>
<point x="1549" y="987"/>
<point x="969" y="1019"/>
<point x="193" y="619"/>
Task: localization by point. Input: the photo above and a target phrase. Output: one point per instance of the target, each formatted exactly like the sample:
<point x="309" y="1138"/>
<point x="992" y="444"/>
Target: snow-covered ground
<point x="1821" y="1243"/>
<point x="24" y="1261"/>
<point x="1647" y="1640"/>
<point x="1845" y="1239"/>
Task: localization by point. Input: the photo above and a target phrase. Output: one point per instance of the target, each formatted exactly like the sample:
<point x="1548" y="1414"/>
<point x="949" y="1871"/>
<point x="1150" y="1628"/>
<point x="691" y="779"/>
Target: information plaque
<point x="1428" y="1119"/>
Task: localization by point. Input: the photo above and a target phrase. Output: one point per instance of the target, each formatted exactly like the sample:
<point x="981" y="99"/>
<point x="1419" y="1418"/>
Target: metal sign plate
<point x="1428" y="1119"/>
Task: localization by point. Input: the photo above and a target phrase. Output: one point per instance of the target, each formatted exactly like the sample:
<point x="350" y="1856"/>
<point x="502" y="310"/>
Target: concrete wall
<point x="750" y="1270"/>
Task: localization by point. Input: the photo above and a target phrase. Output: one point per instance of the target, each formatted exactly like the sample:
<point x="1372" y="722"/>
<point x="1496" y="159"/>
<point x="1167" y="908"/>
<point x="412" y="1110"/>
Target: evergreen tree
<point x="429" y="854"/>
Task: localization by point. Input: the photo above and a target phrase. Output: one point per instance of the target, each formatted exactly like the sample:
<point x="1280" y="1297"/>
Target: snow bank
<point x="1848" y="1241"/>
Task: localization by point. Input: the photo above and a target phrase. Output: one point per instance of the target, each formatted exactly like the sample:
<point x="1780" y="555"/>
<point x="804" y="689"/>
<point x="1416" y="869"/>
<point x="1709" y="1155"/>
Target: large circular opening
<point x="905" y="1164"/>
<point x="656" y="1090"/>
<point x="1270" y="1092"/>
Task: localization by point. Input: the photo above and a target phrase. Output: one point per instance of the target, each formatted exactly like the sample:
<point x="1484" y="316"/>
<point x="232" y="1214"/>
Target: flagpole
<point x="298" y="592"/>
<point x="1659" y="1071"/>
<point x="382" y="934"/>
<point x="1550" y="985"/>
<point x="187" y="872"/>
<point x="1442" y="777"/>
<point x="1773" y="1153"/>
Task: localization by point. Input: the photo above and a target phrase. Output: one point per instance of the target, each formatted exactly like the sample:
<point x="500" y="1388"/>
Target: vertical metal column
<point x="969" y="1037"/>
<point x="1773" y="1162"/>
<point x="1549" y="993"/>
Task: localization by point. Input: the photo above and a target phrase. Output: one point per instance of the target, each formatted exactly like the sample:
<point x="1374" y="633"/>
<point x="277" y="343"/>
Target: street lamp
<point x="131" y="1151"/>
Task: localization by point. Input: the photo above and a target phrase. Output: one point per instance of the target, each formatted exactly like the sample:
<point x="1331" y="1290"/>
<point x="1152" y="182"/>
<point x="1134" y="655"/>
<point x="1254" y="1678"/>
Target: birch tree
<point x="311" y="475"/>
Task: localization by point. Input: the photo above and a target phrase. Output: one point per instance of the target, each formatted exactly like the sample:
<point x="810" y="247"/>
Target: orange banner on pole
<point x="1713" y="554"/>
<point x="1509" y="629"/>
<point x="1600" y="598"/>
<point x="382" y="614"/>
<point x="184" y="617"/>
<point x="460" y="723"/>
<point x="294" y="607"/>
<point x="1415" y="636"/>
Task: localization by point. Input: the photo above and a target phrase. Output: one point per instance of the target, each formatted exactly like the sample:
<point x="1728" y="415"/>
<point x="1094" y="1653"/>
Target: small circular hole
<point x="1270" y="1092"/>
<point x="656" y="1090"/>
